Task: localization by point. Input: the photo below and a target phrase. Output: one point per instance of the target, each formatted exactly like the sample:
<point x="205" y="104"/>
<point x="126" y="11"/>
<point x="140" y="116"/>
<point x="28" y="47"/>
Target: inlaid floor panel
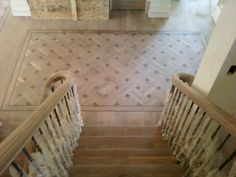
<point x="114" y="70"/>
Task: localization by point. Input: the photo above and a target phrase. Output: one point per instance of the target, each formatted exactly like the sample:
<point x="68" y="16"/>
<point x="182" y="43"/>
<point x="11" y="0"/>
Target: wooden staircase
<point x="123" y="152"/>
<point x="200" y="134"/>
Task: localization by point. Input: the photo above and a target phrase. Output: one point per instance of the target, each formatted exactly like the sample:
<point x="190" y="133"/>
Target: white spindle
<point x="50" y="155"/>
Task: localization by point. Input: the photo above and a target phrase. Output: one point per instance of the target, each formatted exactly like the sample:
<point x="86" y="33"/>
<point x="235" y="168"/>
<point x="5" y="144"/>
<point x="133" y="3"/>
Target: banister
<point x="61" y="75"/>
<point x="227" y="121"/>
<point x="13" y="144"/>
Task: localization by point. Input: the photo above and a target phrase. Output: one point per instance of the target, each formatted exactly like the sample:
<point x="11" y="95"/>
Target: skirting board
<point x="20" y="13"/>
<point x="158" y="15"/>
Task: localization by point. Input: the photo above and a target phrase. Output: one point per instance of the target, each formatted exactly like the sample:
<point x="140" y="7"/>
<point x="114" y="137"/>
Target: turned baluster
<point x="66" y="125"/>
<point x="194" y="149"/>
<point x="57" y="144"/>
<point x="71" y="107"/>
<point x="196" y="123"/>
<point x="63" y="131"/>
<point x="169" y="107"/>
<point x="178" y="118"/>
<point x="75" y="93"/>
<point x="174" y="114"/>
<point x="181" y="140"/>
<point x="210" y="155"/>
<point x="64" y="107"/>
<point x="59" y="138"/>
<point x="48" y="150"/>
<point x="183" y="124"/>
<point x="16" y="171"/>
<point x="34" y="167"/>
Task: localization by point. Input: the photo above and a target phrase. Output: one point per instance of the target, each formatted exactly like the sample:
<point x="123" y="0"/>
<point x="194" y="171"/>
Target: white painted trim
<point x="20" y="8"/>
<point x="158" y="8"/>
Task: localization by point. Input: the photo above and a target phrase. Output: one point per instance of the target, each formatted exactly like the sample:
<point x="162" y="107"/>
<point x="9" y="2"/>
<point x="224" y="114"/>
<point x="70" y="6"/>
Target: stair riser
<point x="121" y="152"/>
<point x="122" y="142"/>
<point x="123" y="160"/>
<point x="119" y="171"/>
<point x="121" y="131"/>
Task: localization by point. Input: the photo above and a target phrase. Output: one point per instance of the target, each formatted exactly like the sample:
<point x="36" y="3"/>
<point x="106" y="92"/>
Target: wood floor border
<point x="92" y="108"/>
<point x="20" y="53"/>
<point x="5" y="17"/>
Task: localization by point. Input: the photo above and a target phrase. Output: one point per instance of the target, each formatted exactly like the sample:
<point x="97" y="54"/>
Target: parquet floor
<point x="186" y="15"/>
<point x="3" y="12"/>
<point x="115" y="70"/>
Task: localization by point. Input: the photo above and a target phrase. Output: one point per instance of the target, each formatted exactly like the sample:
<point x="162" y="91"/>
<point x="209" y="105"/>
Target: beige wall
<point x="211" y="78"/>
<point x="223" y="91"/>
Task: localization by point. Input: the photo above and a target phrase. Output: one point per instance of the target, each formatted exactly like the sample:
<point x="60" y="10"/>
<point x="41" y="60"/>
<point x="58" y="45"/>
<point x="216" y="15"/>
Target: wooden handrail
<point x="61" y="75"/>
<point x="227" y="121"/>
<point x="13" y="144"/>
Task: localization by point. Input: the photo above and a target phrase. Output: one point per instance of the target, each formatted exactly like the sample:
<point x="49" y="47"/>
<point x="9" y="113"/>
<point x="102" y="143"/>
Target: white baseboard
<point x="159" y="9"/>
<point x="158" y="15"/>
<point x="21" y="13"/>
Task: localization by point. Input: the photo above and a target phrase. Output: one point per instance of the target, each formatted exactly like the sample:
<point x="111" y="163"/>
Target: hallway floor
<point x="187" y="17"/>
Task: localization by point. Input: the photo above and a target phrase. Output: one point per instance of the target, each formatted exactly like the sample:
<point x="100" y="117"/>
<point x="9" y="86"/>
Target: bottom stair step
<point x="109" y="160"/>
<point x="121" y="152"/>
<point x="126" y="171"/>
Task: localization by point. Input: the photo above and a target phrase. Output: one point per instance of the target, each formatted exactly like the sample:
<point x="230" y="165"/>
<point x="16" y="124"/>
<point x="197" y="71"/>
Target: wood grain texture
<point x="226" y="120"/>
<point x="118" y="69"/>
<point x="14" y="143"/>
<point x="10" y="120"/>
<point x="4" y="4"/>
<point x="123" y="151"/>
<point x="11" y="45"/>
<point x="172" y="170"/>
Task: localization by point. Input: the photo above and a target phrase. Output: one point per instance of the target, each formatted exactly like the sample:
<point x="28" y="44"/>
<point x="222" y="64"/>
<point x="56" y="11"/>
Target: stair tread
<point x="122" y="142"/>
<point x="114" y="152"/>
<point x="123" y="152"/>
<point x="125" y="160"/>
<point x="121" y="131"/>
<point x="129" y="175"/>
<point x="126" y="170"/>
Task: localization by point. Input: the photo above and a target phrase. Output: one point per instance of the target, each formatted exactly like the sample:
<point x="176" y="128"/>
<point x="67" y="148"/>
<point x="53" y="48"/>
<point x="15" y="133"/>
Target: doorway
<point x="128" y="4"/>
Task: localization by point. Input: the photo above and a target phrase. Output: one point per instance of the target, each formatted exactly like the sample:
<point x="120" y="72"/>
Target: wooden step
<point x="121" y="152"/>
<point x="126" y="171"/>
<point x="121" y="142"/>
<point x="1" y="139"/>
<point x="135" y="160"/>
<point x="121" y="131"/>
<point x="6" y="129"/>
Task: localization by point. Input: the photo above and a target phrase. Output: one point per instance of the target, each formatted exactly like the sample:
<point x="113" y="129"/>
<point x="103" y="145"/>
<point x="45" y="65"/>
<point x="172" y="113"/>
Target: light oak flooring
<point x="4" y="7"/>
<point x="112" y="69"/>
<point x="187" y="16"/>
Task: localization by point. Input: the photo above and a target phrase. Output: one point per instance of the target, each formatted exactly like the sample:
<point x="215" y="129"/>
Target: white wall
<point x="223" y="91"/>
<point x="211" y="78"/>
<point x="20" y="8"/>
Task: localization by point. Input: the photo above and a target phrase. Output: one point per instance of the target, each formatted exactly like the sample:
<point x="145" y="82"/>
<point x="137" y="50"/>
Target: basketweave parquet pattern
<point x="111" y="68"/>
<point x="3" y="11"/>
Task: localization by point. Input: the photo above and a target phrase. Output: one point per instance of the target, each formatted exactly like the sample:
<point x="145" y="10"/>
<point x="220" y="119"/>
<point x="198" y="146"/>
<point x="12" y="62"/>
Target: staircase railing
<point x="43" y="144"/>
<point x="200" y="134"/>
